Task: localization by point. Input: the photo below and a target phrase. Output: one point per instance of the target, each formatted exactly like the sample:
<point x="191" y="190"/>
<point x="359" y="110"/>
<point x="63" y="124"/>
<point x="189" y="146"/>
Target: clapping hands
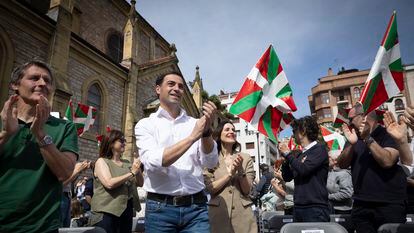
<point x="236" y="165"/>
<point x="397" y="130"/>
<point x="9" y="116"/>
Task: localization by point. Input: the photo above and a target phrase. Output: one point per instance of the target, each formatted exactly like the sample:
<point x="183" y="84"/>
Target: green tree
<point x="220" y="107"/>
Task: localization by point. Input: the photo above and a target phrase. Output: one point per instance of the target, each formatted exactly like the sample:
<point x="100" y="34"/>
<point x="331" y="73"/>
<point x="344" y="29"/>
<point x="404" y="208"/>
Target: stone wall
<point x="97" y="19"/>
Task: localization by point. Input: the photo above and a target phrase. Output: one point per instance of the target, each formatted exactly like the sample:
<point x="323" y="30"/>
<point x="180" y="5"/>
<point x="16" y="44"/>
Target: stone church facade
<point x="102" y="52"/>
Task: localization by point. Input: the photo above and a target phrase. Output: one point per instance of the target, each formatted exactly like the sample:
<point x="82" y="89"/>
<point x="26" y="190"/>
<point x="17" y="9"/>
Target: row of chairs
<point x="138" y="226"/>
<point x="272" y="221"/>
<point x="288" y="228"/>
<point x="331" y="227"/>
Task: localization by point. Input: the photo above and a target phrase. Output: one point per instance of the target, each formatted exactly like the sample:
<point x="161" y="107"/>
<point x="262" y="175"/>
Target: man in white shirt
<point x="174" y="149"/>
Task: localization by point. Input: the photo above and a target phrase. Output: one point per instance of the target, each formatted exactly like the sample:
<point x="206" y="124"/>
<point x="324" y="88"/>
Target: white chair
<point x="396" y="228"/>
<point x="273" y="221"/>
<point x="314" y="227"/>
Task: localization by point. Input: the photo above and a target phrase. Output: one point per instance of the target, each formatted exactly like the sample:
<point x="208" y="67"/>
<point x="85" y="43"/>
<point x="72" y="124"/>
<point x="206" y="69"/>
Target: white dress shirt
<point x="184" y="176"/>
<point x="310" y="145"/>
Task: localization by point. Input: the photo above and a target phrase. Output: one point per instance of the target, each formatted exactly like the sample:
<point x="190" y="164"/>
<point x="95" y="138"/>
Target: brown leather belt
<point x="197" y="198"/>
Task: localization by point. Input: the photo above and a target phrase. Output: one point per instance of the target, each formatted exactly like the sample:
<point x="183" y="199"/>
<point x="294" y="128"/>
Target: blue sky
<point x="227" y="37"/>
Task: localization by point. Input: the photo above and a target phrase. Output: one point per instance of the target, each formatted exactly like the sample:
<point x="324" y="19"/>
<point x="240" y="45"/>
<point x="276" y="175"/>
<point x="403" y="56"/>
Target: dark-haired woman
<point x="115" y="185"/>
<point x="229" y="184"/>
<point x="309" y="170"/>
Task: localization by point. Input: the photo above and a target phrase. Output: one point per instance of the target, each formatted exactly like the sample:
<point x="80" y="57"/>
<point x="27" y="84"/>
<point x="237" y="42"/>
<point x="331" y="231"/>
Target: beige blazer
<point x="229" y="210"/>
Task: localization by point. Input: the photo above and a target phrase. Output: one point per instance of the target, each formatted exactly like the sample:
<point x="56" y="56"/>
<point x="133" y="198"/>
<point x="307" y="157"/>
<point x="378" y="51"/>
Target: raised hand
<point x="275" y="182"/>
<point x="136" y="166"/>
<point x="236" y="164"/>
<point x="283" y="147"/>
<point x="397" y="130"/>
<point x="9" y="116"/>
<point x="199" y="128"/>
<point x="79" y="167"/>
<point x="350" y="135"/>
<point x="278" y="174"/>
<point x="362" y="132"/>
<point x="209" y="111"/>
<point x="409" y="117"/>
<point x="41" y="116"/>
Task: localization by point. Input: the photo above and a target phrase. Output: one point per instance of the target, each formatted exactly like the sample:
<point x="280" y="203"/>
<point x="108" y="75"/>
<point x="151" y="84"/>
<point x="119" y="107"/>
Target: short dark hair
<point x="264" y="167"/>
<point x="217" y="134"/>
<point x="20" y="71"/>
<point x="308" y="126"/>
<point x="105" y="150"/>
<point x="160" y="78"/>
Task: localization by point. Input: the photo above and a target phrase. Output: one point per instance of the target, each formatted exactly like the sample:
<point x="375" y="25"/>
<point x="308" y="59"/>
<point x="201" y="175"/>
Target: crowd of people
<point x="197" y="178"/>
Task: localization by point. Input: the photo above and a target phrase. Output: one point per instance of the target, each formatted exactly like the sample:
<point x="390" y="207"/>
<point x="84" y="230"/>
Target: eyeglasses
<point x="122" y="140"/>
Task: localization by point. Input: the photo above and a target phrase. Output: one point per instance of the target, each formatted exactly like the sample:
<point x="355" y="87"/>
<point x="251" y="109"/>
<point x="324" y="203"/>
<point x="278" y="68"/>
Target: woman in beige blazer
<point x="229" y="184"/>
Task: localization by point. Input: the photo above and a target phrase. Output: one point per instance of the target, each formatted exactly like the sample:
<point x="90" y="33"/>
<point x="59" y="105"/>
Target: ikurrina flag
<point x="99" y="137"/>
<point x="287" y="118"/>
<point x="293" y="145"/>
<point x="334" y="140"/>
<point x="386" y="76"/>
<point x="380" y="116"/>
<point x="265" y="97"/>
<point x="69" y="111"/>
<point x="83" y="117"/>
<point x="341" y="117"/>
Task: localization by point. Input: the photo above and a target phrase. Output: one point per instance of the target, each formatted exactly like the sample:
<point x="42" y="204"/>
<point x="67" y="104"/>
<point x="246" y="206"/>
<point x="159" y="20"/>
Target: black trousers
<point x="367" y="217"/>
<point x="114" y="224"/>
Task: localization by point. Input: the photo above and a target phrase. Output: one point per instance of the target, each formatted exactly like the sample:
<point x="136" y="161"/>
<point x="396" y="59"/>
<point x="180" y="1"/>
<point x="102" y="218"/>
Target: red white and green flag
<point x="287" y="118"/>
<point x="99" y="137"/>
<point x="265" y="96"/>
<point x="341" y="117"/>
<point x="83" y="117"/>
<point x="334" y="140"/>
<point x="380" y="116"/>
<point x="385" y="79"/>
<point x="293" y="145"/>
<point x="69" y="111"/>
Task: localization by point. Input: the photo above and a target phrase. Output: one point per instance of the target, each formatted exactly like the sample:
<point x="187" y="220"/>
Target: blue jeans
<point x="161" y="217"/>
<point x="311" y="214"/>
<point x="65" y="210"/>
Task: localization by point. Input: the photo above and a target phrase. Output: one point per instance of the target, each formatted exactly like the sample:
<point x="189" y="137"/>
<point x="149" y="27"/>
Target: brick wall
<point x="113" y="93"/>
<point x="26" y="46"/>
<point x="145" y="94"/>
<point x="98" y="16"/>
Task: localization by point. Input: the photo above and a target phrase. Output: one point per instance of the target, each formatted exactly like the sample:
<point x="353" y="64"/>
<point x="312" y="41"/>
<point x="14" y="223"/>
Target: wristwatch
<point x="47" y="140"/>
<point x="369" y="140"/>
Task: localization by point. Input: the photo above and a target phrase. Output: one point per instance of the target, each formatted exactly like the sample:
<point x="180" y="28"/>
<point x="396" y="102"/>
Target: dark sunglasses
<point x="122" y="140"/>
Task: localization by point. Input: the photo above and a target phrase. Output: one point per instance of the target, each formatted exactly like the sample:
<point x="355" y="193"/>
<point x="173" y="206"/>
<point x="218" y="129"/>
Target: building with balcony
<point x="344" y="90"/>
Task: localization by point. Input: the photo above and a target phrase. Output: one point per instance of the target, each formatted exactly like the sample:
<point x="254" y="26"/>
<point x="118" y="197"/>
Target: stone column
<point x="58" y="56"/>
